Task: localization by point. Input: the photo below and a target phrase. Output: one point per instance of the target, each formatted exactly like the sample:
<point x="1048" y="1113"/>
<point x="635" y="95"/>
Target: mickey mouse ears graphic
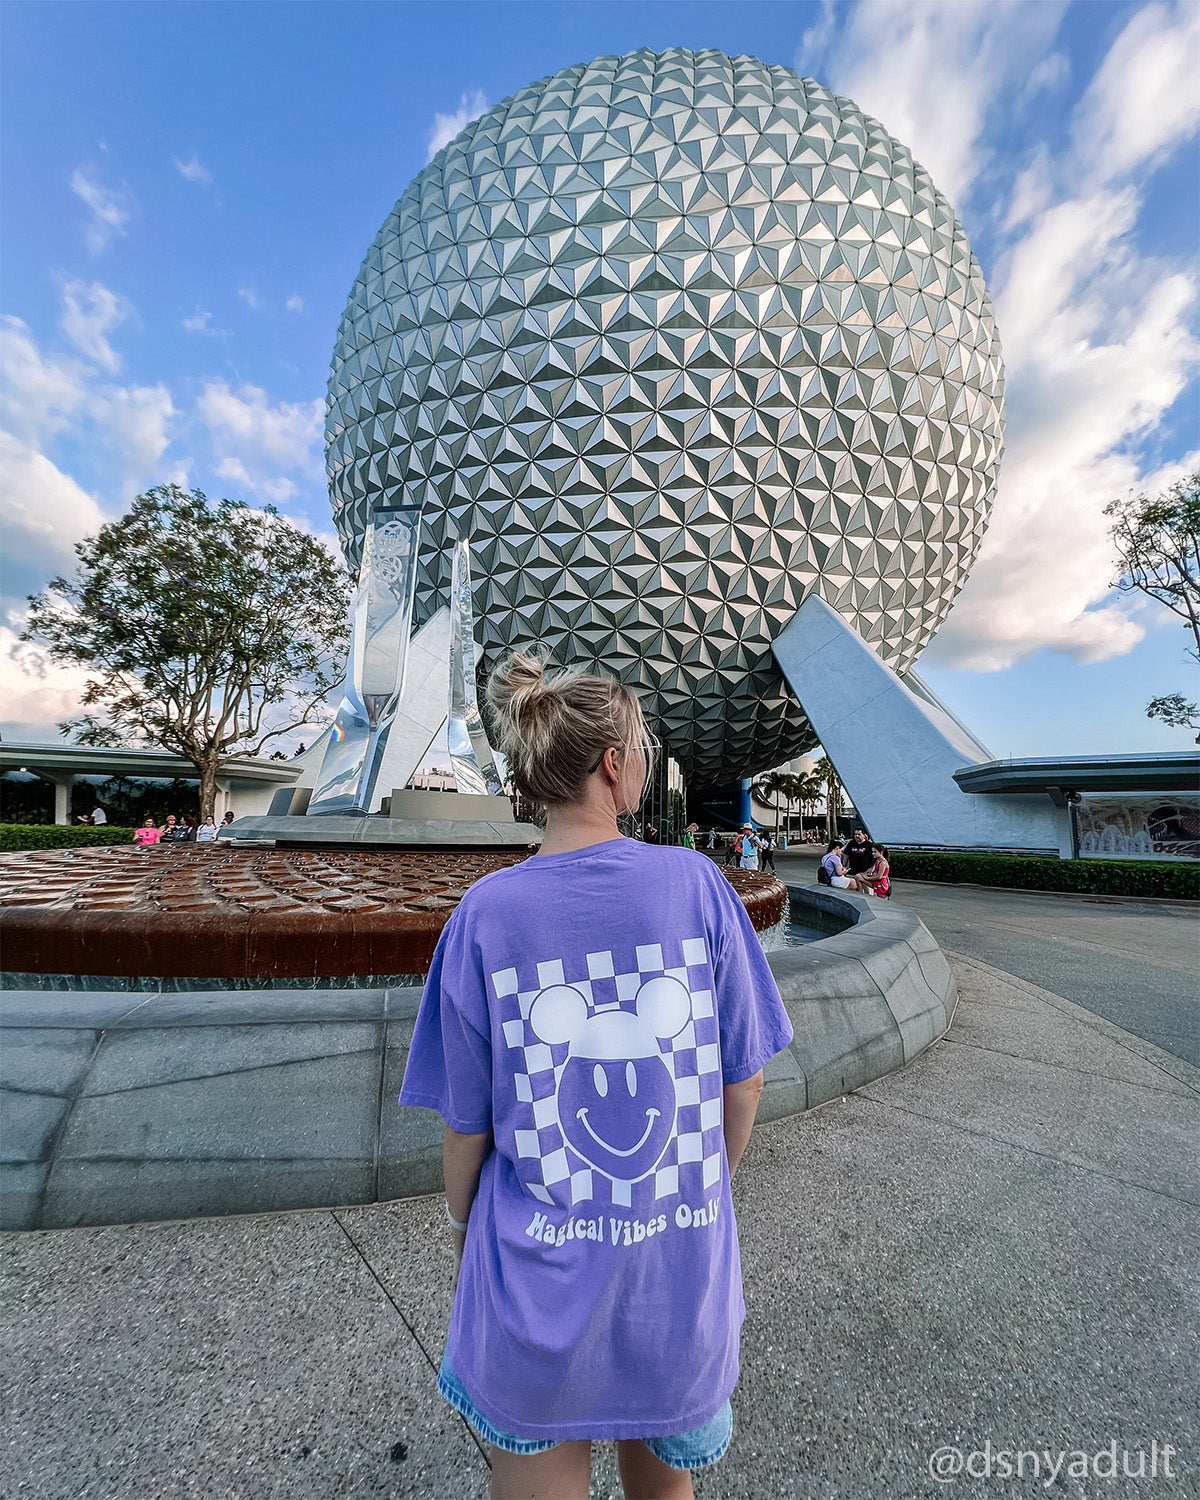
<point x="662" y="1009"/>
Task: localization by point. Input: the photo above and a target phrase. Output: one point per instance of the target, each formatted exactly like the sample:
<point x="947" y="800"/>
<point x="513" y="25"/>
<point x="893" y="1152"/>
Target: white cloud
<point x="250" y="298"/>
<point x="929" y="71"/>
<point x="1096" y="362"/>
<point x="43" y="513"/>
<point x="37" y="693"/>
<point x="815" y="41"/>
<point x="38" y="395"/>
<point x="194" y="170"/>
<point x="112" y="208"/>
<point x="137" y="422"/>
<point x="295" y="303"/>
<point x="278" y="490"/>
<point x="446" y="127"/>
<point x="90" y="313"/>
<point x="1096" y="334"/>
<point x="200" y="322"/>
<point x="1144" y="100"/>
<point x="1099" y="345"/>
<point x="44" y="395"/>
<point x="258" y="443"/>
<point x="1047" y="75"/>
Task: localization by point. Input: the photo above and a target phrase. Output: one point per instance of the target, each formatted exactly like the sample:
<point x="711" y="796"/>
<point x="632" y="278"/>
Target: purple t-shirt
<point x="588" y="1008"/>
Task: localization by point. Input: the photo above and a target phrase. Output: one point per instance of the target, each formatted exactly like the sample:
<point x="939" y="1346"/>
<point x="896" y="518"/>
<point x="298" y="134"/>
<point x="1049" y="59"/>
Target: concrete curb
<point x="121" y="1109"/>
<point x="863" y="1002"/>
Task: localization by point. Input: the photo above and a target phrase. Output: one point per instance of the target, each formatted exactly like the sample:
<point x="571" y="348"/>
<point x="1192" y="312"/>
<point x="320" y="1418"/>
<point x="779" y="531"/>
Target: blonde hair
<point x="553" y="727"/>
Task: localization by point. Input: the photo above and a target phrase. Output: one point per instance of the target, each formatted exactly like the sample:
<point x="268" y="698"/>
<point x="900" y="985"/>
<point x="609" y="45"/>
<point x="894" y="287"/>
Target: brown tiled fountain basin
<point x="204" y="912"/>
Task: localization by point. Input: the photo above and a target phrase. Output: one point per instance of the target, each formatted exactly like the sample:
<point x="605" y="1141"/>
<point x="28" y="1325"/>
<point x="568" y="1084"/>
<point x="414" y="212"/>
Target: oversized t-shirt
<point x="588" y="1009"/>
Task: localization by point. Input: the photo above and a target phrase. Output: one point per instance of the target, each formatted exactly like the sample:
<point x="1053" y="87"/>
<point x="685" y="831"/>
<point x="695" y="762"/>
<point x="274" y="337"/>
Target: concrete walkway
<point x="997" y="1245"/>
<point x="1136" y="963"/>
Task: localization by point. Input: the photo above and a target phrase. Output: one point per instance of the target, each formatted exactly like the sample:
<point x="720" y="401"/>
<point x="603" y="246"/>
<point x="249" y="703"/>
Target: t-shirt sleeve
<point x="450" y="1060"/>
<point x="753" y="1021"/>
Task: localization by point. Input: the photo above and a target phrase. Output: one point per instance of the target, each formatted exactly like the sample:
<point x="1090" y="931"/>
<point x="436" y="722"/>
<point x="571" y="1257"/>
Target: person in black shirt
<point x="857" y="855"/>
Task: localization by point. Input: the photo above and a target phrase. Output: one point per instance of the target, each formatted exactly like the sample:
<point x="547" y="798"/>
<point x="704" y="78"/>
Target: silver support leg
<point x="380" y="625"/>
<point x="471" y="757"/>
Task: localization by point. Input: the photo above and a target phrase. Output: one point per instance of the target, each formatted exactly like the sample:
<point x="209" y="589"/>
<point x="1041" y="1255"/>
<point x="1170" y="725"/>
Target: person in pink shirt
<point x="149" y="833"/>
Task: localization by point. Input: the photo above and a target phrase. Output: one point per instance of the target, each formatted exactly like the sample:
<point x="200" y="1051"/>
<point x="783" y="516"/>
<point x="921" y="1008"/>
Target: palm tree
<point x="770" y="786"/>
<point x="808" y="794"/>
<point x="826" y="773"/>
<point x="789" y="785"/>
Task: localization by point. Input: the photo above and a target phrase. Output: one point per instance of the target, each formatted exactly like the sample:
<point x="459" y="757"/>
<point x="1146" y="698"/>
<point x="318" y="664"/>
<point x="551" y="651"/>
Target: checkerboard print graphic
<point x="549" y="1166"/>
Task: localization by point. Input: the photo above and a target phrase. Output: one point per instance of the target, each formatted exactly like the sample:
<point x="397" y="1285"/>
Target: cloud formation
<point x="90" y="313"/>
<point x="193" y="170"/>
<point x="446" y="127"/>
<point x="259" y="444"/>
<point x="37" y="693"/>
<point x="111" y="208"/>
<point x="930" y="72"/>
<point x="44" y="510"/>
<point x="43" y="513"/>
<point x="200" y="322"/>
<point x="1097" y="333"/>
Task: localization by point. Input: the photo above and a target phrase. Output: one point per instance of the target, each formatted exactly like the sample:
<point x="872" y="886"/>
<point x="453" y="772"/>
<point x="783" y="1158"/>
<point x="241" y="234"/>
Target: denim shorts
<point x="698" y="1449"/>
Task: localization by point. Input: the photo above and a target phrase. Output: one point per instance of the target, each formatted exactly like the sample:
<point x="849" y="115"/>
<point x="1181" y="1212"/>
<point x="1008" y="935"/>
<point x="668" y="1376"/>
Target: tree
<point x="1176" y="711"/>
<point x="809" y="794"/>
<point x="827" y="775"/>
<point x="210" y="630"/>
<point x="769" y="788"/>
<point x="1158" y="554"/>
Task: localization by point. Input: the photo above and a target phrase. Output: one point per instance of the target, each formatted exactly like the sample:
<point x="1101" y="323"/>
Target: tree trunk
<point x="208" y="767"/>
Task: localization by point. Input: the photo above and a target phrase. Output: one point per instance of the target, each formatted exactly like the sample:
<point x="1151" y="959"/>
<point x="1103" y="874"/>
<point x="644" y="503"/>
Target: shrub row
<point x="60" y="836"/>
<point x="1093" y="877"/>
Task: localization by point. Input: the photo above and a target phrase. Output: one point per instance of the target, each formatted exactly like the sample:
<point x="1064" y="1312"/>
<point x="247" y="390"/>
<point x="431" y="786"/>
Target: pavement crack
<point x="1041" y="1062"/>
<point x="416" y="1338"/>
<point x="988" y="1135"/>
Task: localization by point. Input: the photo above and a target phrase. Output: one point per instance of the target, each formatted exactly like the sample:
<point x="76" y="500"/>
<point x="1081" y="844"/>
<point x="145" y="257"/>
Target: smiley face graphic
<point x="616" y="1095"/>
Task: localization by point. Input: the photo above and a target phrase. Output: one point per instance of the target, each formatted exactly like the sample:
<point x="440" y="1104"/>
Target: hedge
<point x="60" y="835"/>
<point x="1094" y="877"/>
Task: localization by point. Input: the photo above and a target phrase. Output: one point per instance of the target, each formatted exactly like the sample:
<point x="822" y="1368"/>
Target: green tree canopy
<point x="1158" y="549"/>
<point x="1158" y="554"/>
<point x="208" y="630"/>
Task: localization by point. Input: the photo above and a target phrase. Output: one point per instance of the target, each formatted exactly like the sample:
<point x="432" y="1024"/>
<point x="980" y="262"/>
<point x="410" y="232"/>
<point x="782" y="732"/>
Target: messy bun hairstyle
<point x="553" y="727"/>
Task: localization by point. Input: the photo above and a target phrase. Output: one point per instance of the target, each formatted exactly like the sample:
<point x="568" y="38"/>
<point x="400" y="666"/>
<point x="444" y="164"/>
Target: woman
<point x="875" y="881"/>
<point x="149" y="833"/>
<point x="207" y="831"/>
<point x="832" y="871"/>
<point x="593" y="1033"/>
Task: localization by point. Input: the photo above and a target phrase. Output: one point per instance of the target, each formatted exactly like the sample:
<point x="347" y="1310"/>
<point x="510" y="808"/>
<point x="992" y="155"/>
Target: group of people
<point x="751" y="849"/>
<point x="186" y="830"/>
<point x="860" y="866"/>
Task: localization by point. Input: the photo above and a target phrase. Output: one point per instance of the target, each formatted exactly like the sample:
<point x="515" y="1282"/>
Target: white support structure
<point x="896" y="749"/>
<point x="419" y="719"/>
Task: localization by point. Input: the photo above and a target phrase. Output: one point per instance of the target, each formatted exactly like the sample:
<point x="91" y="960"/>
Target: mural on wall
<point x="1164" y="825"/>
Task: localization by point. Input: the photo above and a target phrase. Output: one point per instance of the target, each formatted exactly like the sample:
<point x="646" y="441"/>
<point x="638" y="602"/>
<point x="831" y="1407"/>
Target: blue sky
<point x="188" y="191"/>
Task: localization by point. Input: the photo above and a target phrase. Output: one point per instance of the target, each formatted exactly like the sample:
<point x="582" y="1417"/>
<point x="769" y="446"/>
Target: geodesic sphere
<point x="676" y="338"/>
